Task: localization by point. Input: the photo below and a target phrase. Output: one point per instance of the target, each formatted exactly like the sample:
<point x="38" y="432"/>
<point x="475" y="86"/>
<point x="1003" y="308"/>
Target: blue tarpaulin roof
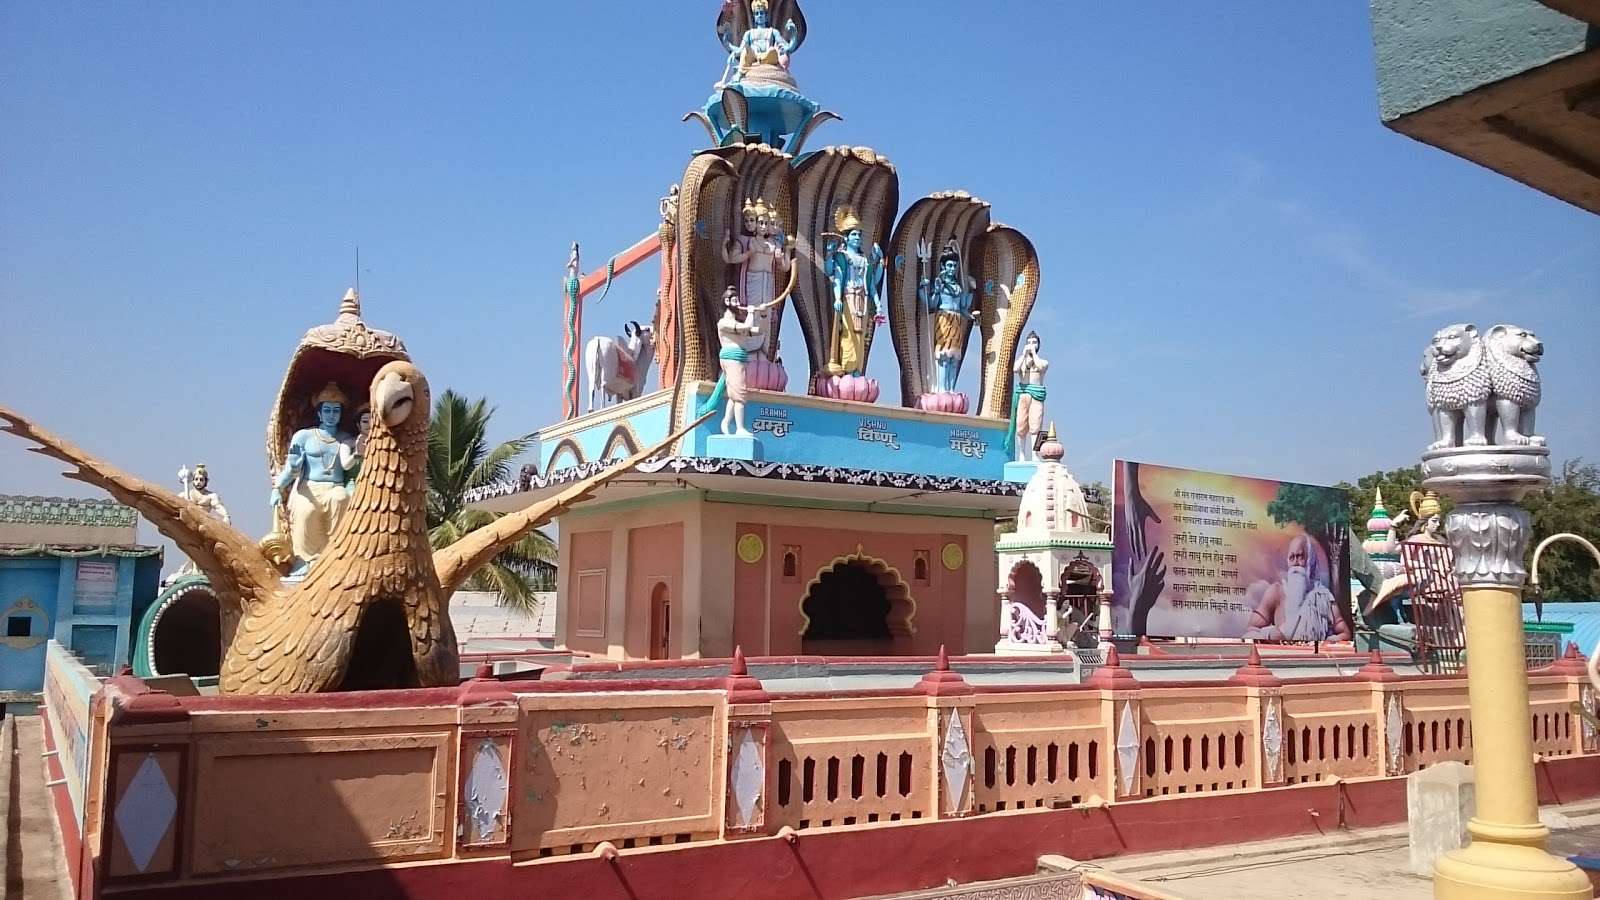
<point x="1584" y="616"/>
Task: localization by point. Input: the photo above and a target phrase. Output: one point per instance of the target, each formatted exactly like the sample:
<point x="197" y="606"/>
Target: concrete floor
<point x="33" y="849"/>
<point x="1352" y="865"/>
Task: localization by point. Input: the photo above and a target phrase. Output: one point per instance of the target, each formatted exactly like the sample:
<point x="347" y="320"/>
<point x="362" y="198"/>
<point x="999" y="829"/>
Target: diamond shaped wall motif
<point x="749" y="778"/>
<point x="1272" y="737"/>
<point x="1393" y="727"/>
<point x="957" y="759"/>
<point x="487" y="789"/>
<point x="145" y="812"/>
<point x="1127" y="748"/>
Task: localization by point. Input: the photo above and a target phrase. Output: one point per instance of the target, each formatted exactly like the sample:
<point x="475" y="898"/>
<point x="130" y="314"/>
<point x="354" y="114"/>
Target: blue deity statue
<point x="857" y="278"/>
<point x="761" y="43"/>
<point x="314" y="475"/>
<point x="949" y="301"/>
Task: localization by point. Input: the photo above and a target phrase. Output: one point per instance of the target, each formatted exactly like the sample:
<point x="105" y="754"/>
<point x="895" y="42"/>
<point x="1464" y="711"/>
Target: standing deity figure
<point x="197" y="490"/>
<point x="759" y="254"/>
<point x="738" y="338"/>
<point x="857" y="277"/>
<point x="313" y="476"/>
<point x="762" y="44"/>
<point x="352" y="455"/>
<point x="949" y="302"/>
<point x="1027" y="399"/>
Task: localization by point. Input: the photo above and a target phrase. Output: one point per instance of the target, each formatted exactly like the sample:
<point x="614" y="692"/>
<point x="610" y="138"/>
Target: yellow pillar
<point x="1489" y="533"/>
<point x="1506" y="857"/>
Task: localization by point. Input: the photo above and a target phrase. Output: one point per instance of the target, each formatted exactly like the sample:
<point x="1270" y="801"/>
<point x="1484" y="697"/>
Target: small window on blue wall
<point x="19" y="626"/>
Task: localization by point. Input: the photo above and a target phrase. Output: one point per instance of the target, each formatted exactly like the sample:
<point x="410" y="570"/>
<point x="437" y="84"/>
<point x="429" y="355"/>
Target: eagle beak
<point x="393" y="399"/>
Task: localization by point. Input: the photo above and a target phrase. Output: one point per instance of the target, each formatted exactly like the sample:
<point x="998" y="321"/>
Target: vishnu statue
<point x="857" y="277"/>
<point x="949" y="302"/>
<point x="1027" y="399"/>
<point x="738" y="338"/>
<point x="762" y="44"/>
<point x="314" y="477"/>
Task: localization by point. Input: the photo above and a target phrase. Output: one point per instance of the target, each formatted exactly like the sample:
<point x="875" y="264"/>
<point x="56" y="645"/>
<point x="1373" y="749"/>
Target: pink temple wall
<point x="655" y="556"/>
<point x="719" y="602"/>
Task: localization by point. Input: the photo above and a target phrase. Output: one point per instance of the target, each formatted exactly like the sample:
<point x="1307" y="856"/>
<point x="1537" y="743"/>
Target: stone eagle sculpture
<point x="372" y="612"/>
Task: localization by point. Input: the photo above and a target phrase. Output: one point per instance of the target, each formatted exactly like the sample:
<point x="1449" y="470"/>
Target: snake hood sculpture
<point x="372" y="612"/>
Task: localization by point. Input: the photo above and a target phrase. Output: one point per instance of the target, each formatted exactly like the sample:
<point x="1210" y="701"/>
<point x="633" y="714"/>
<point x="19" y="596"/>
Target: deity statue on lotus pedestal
<point x="1027" y="400"/>
<point x="316" y="478"/>
<point x="761" y="252"/>
<point x="761" y="44"/>
<point x="757" y="100"/>
<point x="947" y="300"/>
<point x="857" y="277"/>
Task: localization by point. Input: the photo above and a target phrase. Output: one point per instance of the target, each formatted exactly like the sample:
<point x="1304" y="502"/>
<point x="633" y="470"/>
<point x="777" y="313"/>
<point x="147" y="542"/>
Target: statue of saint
<point x="857" y="277"/>
<point x="758" y="253"/>
<point x="313" y="476"/>
<point x="1027" y="397"/>
<point x="762" y="44"/>
<point x="949" y="302"/>
<point x="738" y="338"/>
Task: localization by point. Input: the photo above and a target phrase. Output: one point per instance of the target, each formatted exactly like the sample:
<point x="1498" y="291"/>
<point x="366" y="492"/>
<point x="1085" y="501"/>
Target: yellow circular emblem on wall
<point x="751" y="548"/>
<point x="953" y="556"/>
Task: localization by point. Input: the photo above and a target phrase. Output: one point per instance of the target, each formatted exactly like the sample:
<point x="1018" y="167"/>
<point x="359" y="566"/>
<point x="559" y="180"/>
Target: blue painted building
<point x="71" y="570"/>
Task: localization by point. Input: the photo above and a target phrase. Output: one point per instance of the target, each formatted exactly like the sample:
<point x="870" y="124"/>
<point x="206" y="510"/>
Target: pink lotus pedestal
<point x="859" y="388"/>
<point x="945" y="402"/>
<point x="762" y="374"/>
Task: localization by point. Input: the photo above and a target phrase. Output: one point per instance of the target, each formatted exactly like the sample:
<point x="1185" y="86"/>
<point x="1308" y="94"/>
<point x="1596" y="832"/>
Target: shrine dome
<point x="1052" y="503"/>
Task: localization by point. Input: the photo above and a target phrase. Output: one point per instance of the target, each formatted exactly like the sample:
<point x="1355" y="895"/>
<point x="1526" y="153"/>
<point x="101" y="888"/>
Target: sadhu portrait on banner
<point x="1300" y="605"/>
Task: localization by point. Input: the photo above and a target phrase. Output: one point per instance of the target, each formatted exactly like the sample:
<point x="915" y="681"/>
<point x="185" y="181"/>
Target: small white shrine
<point x="1054" y="571"/>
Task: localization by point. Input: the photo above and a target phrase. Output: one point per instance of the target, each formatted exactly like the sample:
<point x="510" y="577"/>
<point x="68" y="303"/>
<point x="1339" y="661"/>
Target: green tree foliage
<point x="1323" y="513"/>
<point x="1397" y="485"/>
<point x="1571" y="503"/>
<point x="460" y="459"/>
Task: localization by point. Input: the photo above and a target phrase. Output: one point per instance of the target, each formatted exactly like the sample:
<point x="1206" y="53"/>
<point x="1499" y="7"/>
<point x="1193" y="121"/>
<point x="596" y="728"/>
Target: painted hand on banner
<point x="1148" y="581"/>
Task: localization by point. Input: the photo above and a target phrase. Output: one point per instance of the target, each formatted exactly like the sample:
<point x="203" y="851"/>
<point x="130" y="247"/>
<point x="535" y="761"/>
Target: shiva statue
<point x="759" y="253"/>
<point x="949" y="301"/>
<point x="313" y="477"/>
<point x="738" y="337"/>
<point x="1027" y="399"/>
<point x="761" y="44"/>
<point x="857" y="278"/>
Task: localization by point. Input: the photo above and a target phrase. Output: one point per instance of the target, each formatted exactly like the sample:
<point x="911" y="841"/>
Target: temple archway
<point x="1025" y="585"/>
<point x="857" y="605"/>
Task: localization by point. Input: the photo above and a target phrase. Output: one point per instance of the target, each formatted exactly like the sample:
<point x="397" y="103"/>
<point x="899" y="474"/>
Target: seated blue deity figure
<point x="762" y="44"/>
<point x="314" y="477"/>
<point x="949" y="302"/>
<point x="856" y="277"/>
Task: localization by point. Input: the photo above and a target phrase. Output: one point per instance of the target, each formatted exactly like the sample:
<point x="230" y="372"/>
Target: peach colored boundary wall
<point x="535" y="773"/>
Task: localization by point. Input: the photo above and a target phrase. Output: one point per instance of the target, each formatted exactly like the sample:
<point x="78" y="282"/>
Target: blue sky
<point x="1240" y="265"/>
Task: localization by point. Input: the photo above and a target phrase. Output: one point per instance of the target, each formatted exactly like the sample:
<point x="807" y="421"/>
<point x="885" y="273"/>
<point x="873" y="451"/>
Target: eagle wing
<point x="455" y="562"/>
<point x="239" y="572"/>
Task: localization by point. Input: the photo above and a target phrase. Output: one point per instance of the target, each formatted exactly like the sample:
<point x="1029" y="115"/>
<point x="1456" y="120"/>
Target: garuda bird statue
<point x="373" y="610"/>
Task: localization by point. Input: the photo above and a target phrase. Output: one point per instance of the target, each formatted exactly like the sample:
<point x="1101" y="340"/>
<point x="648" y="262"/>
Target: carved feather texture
<point x="240" y="574"/>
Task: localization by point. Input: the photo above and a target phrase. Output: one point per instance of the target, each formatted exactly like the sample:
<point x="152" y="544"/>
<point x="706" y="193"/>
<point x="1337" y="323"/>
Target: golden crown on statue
<point x="845" y="219"/>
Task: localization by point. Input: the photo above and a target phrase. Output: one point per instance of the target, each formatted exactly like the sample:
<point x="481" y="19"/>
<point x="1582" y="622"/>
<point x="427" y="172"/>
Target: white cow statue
<point x="619" y="365"/>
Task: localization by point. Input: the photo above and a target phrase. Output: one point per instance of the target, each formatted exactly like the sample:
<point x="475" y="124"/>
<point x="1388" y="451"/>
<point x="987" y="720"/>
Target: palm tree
<point x="459" y="459"/>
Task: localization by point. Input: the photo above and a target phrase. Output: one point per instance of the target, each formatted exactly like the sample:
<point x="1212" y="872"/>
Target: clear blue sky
<point x="1241" y="266"/>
